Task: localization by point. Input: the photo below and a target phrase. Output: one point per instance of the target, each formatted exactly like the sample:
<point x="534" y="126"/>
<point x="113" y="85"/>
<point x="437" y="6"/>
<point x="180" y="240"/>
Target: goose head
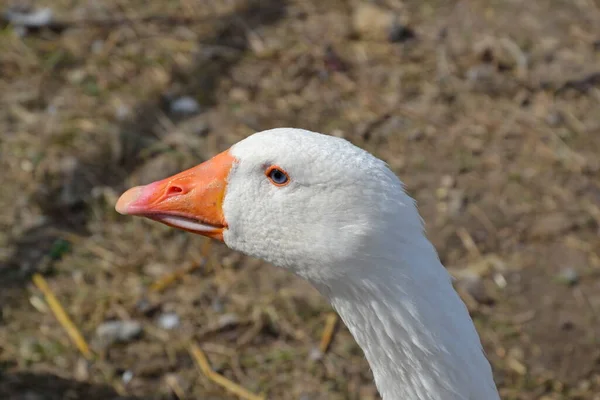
<point x="337" y="216"/>
<point x="301" y="200"/>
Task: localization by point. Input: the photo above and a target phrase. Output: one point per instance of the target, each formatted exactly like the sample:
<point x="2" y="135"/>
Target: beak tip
<point x="124" y="203"/>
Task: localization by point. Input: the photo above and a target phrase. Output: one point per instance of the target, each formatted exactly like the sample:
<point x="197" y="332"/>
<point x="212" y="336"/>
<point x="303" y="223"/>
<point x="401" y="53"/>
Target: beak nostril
<point x="173" y="190"/>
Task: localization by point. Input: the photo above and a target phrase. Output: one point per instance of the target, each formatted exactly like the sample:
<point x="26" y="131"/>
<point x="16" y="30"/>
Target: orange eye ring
<point x="277" y="176"/>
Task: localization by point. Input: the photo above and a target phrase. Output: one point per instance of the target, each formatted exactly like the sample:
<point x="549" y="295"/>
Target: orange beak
<point x="191" y="200"/>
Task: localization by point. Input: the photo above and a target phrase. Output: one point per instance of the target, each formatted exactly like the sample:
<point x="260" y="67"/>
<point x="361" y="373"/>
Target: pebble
<point x="228" y="319"/>
<point x="82" y="369"/>
<point x="27" y="165"/>
<point x="127" y="376"/>
<point x="118" y="331"/>
<point x="447" y="181"/>
<point x="568" y="276"/>
<point x="168" y="321"/>
<point x="185" y="105"/>
<point x="500" y="280"/>
<point x="122" y="112"/>
<point x="373" y="22"/>
<point x="32" y="19"/>
<point x="315" y="354"/>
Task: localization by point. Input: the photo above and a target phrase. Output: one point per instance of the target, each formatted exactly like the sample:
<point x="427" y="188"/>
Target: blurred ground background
<point x="488" y="110"/>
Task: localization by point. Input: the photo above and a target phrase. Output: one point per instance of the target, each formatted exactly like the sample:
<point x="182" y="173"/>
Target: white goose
<point x="337" y="216"/>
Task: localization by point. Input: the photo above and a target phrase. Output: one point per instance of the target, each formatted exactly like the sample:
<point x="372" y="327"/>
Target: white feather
<point x="346" y="224"/>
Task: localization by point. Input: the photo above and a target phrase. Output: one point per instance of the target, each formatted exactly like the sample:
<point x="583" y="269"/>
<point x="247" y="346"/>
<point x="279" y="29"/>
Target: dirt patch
<point x="488" y="111"/>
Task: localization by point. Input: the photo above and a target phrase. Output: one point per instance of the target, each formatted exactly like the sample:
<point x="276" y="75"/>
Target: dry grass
<point x="490" y="116"/>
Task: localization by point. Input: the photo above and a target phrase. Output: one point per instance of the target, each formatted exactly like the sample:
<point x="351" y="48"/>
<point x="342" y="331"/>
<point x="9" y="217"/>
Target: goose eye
<point x="278" y="176"/>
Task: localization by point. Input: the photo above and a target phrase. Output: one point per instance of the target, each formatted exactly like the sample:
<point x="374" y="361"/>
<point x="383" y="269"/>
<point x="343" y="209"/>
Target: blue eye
<point x="277" y="176"/>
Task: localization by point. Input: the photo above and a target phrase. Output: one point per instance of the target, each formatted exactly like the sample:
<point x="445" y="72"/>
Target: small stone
<point x="82" y="369"/>
<point x="76" y="76"/>
<point x="27" y="165"/>
<point x="315" y="354"/>
<point x="30" y="19"/>
<point x="38" y="304"/>
<point x="373" y="22"/>
<point x="168" y="321"/>
<point x="185" y="105"/>
<point x="155" y="269"/>
<point x="127" y="376"/>
<point x="500" y="280"/>
<point x="447" y="181"/>
<point x="122" y="112"/>
<point x="568" y="276"/>
<point x="228" y="319"/>
<point x="118" y="331"/>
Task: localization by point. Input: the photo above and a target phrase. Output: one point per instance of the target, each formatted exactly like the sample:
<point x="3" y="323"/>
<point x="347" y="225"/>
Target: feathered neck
<point x="413" y="327"/>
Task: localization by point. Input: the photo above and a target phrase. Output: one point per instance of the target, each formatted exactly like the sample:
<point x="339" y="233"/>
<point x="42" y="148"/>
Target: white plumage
<point x="345" y="223"/>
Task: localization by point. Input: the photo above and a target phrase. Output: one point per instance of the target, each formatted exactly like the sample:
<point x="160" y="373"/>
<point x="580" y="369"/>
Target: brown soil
<point x="489" y="111"/>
